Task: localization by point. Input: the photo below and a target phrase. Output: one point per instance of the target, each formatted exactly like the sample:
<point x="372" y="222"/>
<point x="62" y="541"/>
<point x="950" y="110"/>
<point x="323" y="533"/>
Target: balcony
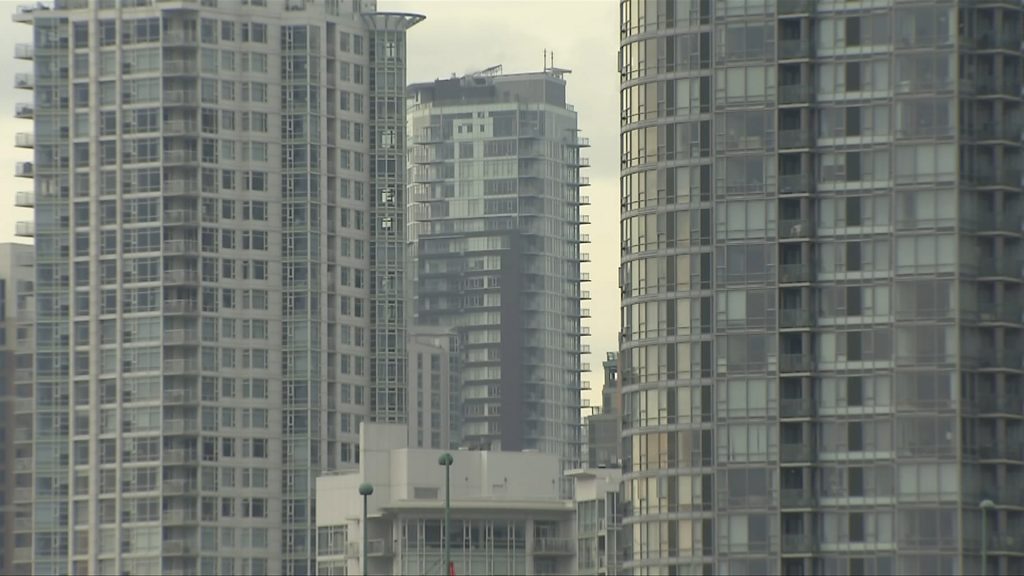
<point x="1006" y="313"/>
<point x="794" y="273"/>
<point x="795" y="94"/>
<point x="172" y="157"/>
<point x="178" y="307"/>
<point x="24" y="81"/>
<point x="24" y="170"/>
<point x="23" y="376"/>
<point x="584" y="200"/>
<point x="797" y="544"/>
<point x="25" y="229"/>
<point x="792" y="7"/>
<point x="584" y="238"/>
<point x="180" y="128"/>
<point x="993" y="405"/>
<point x="179" y="38"/>
<point x="999" y="269"/>
<point x="179" y="67"/>
<point x="584" y="257"/>
<point x="794" y="453"/>
<point x="794" y="228"/>
<point x="25" y="199"/>
<point x="794" y="363"/>
<point x="790" y="139"/>
<point x="796" y="498"/>
<point x="579" y="180"/>
<point x="176" y="187"/>
<point x="180" y="98"/>
<point x="179" y="366"/>
<point x="1001" y="452"/>
<point x="181" y="217"/>
<point x="584" y="312"/>
<point x="180" y="247"/>
<point x="24" y="51"/>
<point x="175" y="457"/>
<point x="581" y="162"/>
<point x="177" y="517"/>
<point x="24" y="140"/>
<point x="796" y="408"/>
<point x="585" y="277"/>
<point x="554" y="546"/>
<point x="794" y="184"/>
<point x="24" y="110"/>
<point x="179" y="396"/>
<point x="177" y="548"/>
<point x="181" y="276"/>
<point x="795" y="49"/>
<point x="373" y="548"/>
<point x="580" y="142"/>
<point x="180" y="427"/>
<point x="585" y="295"/>
<point x="795" y="318"/>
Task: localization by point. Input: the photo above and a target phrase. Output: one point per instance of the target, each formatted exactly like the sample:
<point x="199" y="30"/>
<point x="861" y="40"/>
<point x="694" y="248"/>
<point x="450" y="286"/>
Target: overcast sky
<point x="461" y="36"/>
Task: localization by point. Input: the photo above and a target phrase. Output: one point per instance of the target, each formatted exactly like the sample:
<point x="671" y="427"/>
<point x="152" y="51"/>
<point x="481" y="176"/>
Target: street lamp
<point x="446" y="461"/>
<point x="985" y="506"/>
<point x="365" y="490"/>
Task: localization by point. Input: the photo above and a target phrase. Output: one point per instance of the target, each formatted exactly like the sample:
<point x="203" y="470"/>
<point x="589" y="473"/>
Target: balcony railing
<point x="794" y="184"/>
<point x="25" y="229"/>
<point x="794" y="363"/>
<point x="24" y="170"/>
<point x="798" y="138"/>
<point x="25" y="199"/>
<point x="180" y="247"/>
<point x="24" y="81"/>
<point x="794" y="273"/>
<point x="795" y="228"/>
<point x="180" y="97"/>
<point x="557" y="546"/>
<point x="178" y="457"/>
<point x="797" y="48"/>
<point x="796" y="498"/>
<point x="180" y="306"/>
<point x="796" y="408"/>
<point x="181" y="217"/>
<point x="180" y="366"/>
<point x="24" y="51"/>
<point x="24" y="110"/>
<point x="794" y="453"/>
<point x="182" y="276"/>
<point x="797" y="544"/>
<point x="794" y="94"/>
<point x="179" y="127"/>
<point x="795" y="318"/>
<point x="24" y="140"/>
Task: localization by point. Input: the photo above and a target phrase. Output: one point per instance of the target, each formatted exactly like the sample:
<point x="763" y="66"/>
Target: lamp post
<point x="985" y="506"/>
<point x="365" y="490"/>
<point x="446" y="461"/>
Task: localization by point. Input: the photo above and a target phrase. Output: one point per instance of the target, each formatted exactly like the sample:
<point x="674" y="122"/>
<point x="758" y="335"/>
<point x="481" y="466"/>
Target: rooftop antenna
<point x="545" y="59"/>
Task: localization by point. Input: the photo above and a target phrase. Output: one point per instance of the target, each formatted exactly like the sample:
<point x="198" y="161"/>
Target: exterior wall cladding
<point x="495" y="247"/>
<point x="217" y="186"/>
<point x="822" y="286"/>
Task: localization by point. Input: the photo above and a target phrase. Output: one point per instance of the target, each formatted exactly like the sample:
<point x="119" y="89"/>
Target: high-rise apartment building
<point x="16" y="307"/>
<point x="495" y="248"/>
<point x="217" y="207"/>
<point x="822" y="286"/>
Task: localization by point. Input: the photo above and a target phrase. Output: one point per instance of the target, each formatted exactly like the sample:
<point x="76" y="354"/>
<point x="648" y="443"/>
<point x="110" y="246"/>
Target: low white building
<point x="598" y="529"/>
<point x="506" y="517"/>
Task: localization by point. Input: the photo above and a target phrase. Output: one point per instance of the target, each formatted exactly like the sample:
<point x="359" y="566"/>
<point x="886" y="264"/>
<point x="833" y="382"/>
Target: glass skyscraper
<point x="216" y="186"/>
<point x="495" y="220"/>
<point x="822" y="286"/>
